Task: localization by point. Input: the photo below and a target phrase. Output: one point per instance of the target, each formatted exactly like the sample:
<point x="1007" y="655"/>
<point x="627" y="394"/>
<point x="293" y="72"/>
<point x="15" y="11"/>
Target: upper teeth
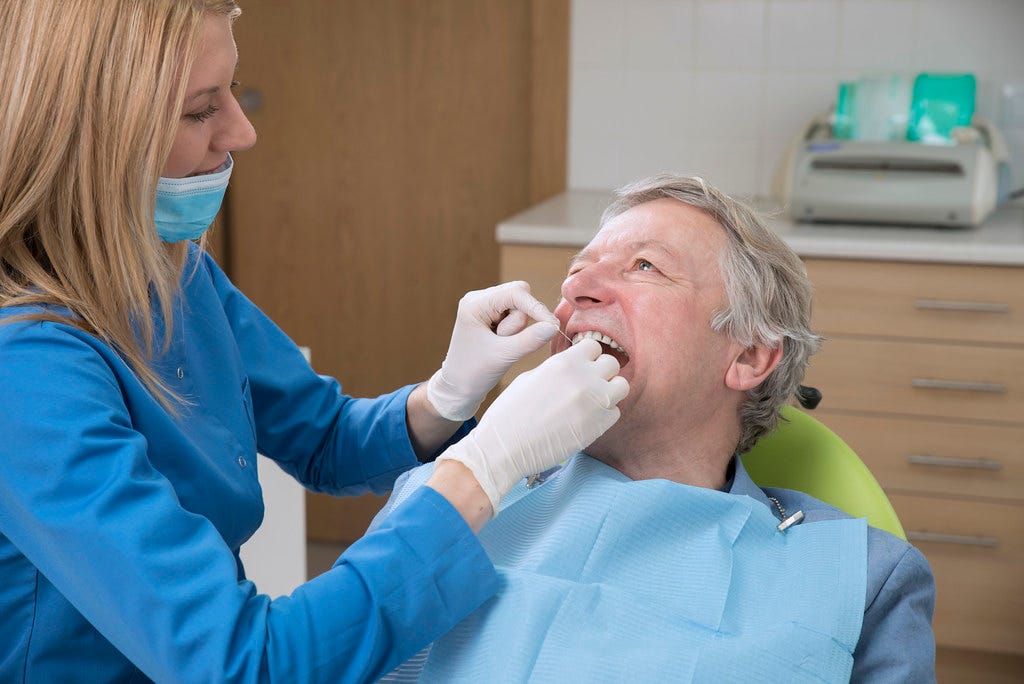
<point x="600" y="337"/>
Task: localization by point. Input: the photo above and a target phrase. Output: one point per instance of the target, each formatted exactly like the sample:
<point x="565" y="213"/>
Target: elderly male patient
<point x="653" y="556"/>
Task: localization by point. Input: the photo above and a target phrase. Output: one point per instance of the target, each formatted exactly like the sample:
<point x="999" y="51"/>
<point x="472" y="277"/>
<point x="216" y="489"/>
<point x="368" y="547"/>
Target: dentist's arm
<point x="456" y="482"/>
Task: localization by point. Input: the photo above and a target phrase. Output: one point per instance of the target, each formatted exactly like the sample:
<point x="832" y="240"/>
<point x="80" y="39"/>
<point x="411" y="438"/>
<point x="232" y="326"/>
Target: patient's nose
<point x="587" y="286"/>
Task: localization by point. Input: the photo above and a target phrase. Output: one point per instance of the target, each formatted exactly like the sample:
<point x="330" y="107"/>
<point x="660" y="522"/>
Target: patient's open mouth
<point x="608" y="345"/>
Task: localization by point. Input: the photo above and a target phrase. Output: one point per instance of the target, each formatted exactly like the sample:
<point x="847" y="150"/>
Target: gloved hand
<point x="545" y="415"/>
<point x="490" y="335"/>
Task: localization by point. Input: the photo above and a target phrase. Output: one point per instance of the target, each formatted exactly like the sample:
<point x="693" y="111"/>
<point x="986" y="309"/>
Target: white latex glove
<point x="545" y="415"/>
<point x="490" y="334"/>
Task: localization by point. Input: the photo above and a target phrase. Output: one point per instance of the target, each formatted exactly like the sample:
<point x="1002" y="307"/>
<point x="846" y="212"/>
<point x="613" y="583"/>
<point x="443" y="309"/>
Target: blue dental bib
<point x="606" y="579"/>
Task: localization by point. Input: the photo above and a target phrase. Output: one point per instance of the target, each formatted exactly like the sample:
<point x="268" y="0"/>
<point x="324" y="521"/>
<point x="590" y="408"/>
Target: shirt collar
<point x="741" y="484"/>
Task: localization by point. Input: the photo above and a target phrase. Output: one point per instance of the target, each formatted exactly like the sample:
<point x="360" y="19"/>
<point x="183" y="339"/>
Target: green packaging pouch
<point x="940" y="103"/>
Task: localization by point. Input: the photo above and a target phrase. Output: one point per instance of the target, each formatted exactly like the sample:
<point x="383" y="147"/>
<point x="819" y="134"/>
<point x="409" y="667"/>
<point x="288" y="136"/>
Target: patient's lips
<point x="608" y="345"/>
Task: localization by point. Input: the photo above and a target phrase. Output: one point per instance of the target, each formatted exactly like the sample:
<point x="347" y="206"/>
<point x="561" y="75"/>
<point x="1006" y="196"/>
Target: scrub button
<point x="242" y="462"/>
<point x="181" y="373"/>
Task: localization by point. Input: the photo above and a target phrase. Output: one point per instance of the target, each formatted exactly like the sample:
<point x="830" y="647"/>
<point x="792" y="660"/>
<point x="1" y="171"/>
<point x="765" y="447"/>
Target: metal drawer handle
<point x="950" y="305"/>
<point x="929" y="383"/>
<point x="958" y="539"/>
<point x="946" y="462"/>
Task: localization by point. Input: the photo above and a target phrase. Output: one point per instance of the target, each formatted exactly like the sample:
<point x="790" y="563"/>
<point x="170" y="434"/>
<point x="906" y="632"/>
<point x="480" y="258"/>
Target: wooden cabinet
<point x="393" y="136"/>
<point x="922" y="373"/>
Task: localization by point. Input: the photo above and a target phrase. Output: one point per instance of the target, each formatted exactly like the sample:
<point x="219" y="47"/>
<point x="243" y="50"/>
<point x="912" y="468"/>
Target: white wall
<point x="718" y="87"/>
<point x="275" y="557"/>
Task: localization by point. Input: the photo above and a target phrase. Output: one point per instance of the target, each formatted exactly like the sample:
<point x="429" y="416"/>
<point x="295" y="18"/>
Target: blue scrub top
<point x="120" y="523"/>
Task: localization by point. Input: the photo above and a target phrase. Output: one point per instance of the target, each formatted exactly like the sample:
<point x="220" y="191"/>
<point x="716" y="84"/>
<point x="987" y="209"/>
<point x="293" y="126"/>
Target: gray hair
<point x="767" y="286"/>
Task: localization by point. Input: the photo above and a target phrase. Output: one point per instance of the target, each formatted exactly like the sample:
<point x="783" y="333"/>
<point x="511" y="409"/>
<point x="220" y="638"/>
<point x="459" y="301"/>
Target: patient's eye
<point x="644" y="265"/>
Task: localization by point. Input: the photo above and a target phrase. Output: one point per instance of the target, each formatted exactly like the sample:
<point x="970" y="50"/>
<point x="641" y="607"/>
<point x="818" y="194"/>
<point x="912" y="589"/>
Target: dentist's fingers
<point x="513" y="323"/>
<point x="618" y="389"/>
<point x="491" y="333"/>
<point x="543" y="417"/>
<point x="529" y="340"/>
<point x="587" y="348"/>
<point x="515" y="296"/>
<point x="607" y="366"/>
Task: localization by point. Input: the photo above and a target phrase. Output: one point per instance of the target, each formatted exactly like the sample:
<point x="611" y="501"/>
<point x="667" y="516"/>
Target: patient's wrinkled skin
<point x="650" y="280"/>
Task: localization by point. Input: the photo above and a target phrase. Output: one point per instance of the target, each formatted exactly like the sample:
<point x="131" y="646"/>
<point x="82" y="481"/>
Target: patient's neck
<point x="699" y="456"/>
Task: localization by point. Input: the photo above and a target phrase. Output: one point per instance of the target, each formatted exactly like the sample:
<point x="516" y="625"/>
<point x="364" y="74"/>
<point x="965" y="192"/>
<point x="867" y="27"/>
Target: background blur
<point x="721" y="86"/>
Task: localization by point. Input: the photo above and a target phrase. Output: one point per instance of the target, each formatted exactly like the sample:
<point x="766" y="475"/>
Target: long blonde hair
<point x="90" y="99"/>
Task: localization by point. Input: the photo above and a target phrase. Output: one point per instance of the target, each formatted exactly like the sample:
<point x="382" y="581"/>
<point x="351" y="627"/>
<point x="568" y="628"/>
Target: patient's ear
<point x="752" y="365"/>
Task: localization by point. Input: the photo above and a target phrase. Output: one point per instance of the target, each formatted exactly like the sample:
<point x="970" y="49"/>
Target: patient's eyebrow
<point x="587" y="254"/>
<point x="655" y="245"/>
<point x="579" y="256"/>
<point x="673" y="255"/>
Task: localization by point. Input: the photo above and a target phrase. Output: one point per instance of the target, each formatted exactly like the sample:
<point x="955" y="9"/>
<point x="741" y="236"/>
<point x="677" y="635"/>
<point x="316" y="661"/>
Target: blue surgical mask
<point x="185" y="207"/>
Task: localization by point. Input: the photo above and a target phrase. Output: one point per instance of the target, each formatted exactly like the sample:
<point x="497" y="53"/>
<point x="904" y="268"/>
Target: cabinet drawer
<point x="976" y="551"/>
<point x="928" y="301"/>
<point x="929" y="456"/>
<point x="945" y="380"/>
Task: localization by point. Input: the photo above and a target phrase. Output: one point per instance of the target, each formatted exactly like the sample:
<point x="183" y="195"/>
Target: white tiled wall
<point x="718" y="87"/>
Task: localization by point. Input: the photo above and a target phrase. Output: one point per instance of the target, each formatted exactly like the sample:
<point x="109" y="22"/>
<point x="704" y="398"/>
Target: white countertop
<point x="571" y="218"/>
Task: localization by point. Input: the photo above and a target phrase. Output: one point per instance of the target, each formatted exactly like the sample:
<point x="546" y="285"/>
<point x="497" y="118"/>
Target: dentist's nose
<point x="238" y="133"/>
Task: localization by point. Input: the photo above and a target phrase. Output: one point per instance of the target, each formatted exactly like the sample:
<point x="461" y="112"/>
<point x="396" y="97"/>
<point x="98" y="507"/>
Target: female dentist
<point x="138" y="385"/>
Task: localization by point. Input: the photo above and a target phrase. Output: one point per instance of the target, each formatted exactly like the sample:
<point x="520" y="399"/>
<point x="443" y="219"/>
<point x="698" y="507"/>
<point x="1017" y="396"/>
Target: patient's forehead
<point x="680" y="232"/>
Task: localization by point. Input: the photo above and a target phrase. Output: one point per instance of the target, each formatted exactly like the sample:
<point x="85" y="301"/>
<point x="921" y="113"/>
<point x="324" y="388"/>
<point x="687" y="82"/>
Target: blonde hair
<point x="90" y="100"/>
<point x="767" y="286"/>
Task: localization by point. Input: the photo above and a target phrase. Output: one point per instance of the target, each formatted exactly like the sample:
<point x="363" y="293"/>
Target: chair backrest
<point x="805" y="455"/>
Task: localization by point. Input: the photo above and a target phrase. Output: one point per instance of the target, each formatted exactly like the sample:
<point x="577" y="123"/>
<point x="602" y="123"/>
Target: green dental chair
<point x="805" y="455"/>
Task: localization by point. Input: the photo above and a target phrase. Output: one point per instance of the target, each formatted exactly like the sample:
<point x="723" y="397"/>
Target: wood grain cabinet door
<point x="393" y="137"/>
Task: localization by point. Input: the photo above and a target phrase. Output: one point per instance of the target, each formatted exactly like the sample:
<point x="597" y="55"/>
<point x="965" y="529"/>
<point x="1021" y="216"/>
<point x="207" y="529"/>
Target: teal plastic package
<point x="940" y="103"/>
